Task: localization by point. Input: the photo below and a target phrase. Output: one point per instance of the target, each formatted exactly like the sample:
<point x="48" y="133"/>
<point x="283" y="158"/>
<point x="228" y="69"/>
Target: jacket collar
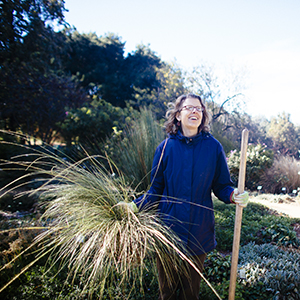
<point x="201" y="135"/>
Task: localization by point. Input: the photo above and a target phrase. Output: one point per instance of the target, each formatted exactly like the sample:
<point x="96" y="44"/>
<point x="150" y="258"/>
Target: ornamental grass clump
<point x="134" y="152"/>
<point x="88" y="229"/>
<point x="284" y="173"/>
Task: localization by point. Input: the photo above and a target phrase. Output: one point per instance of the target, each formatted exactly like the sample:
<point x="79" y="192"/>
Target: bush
<point x="259" y="159"/>
<point x="270" y="273"/>
<point x="284" y="173"/>
<point x="93" y="122"/>
<point x="276" y="269"/>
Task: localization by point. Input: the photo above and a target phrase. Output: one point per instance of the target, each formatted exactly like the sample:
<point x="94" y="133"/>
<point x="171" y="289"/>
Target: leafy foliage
<point x="260" y="227"/>
<point x="217" y="266"/>
<point x="106" y="72"/>
<point x="24" y="91"/>
<point x="169" y="86"/>
<point x="92" y="123"/>
<point x="284" y="135"/>
<point x="276" y="269"/>
<point x="19" y="17"/>
<point x="259" y="159"/>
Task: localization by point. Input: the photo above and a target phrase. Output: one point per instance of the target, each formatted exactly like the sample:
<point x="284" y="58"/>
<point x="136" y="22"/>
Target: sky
<point x="259" y="36"/>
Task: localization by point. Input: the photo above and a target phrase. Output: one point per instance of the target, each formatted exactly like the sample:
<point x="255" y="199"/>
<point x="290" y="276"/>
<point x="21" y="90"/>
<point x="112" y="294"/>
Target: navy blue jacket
<point x="185" y="172"/>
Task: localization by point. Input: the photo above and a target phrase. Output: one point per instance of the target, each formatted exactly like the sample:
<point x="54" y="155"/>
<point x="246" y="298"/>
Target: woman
<point x="187" y="167"/>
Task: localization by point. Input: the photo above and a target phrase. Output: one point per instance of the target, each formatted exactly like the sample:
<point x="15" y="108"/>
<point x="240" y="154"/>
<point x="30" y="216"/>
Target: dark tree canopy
<point x="19" y="17"/>
<point x="103" y="69"/>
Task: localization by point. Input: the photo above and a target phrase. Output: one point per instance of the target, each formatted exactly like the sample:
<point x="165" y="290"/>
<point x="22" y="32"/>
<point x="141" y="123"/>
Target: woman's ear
<point x="178" y="116"/>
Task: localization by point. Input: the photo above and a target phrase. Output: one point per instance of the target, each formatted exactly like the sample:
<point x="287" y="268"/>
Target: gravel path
<point x="281" y="203"/>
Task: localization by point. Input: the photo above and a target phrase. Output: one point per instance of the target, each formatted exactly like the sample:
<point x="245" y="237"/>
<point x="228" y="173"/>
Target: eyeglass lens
<point x="191" y="108"/>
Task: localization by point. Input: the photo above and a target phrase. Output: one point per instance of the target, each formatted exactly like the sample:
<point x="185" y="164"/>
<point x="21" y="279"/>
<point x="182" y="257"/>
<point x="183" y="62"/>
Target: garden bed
<point x="263" y="230"/>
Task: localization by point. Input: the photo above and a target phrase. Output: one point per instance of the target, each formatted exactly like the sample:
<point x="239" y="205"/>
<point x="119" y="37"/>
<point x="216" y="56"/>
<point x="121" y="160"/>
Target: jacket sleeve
<point x="222" y="184"/>
<point x="153" y="195"/>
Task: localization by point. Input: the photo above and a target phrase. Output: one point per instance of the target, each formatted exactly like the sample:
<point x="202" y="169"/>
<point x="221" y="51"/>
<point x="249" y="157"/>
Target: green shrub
<point x="270" y="273"/>
<point x="93" y="122"/>
<point x="217" y="266"/>
<point x="276" y="269"/>
<point x="40" y="282"/>
<point x="259" y="159"/>
<point x="222" y="289"/>
<point x="280" y="233"/>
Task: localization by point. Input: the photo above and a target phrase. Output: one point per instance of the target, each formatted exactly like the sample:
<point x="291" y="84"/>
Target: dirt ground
<point x="281" y="203"/>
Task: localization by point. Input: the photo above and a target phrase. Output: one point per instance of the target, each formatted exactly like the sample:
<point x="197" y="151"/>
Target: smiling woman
<point x="190" y="116"/>
<point x="187" y="167"/>
<point x="188" y="113"/>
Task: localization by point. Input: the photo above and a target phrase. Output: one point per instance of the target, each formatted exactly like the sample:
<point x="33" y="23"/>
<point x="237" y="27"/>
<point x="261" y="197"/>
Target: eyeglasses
<point x="191" y="108"/>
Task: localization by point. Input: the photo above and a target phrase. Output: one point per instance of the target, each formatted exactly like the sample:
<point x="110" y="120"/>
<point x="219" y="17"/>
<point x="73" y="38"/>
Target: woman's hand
<point x="240" y="199"/>
<point x="130" y="205"/>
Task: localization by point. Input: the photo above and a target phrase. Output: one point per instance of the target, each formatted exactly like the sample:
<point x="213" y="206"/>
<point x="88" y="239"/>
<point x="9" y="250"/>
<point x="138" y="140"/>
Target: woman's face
<point x="190" y="117"/>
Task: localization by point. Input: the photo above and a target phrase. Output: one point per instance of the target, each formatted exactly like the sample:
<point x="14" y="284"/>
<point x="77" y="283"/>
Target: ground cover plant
<point x="260" y="225"/>
<point x="269" y="254"/>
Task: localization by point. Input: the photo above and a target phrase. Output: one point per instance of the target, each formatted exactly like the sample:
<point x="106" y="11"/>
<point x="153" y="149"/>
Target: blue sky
<point x="259" y="35"/>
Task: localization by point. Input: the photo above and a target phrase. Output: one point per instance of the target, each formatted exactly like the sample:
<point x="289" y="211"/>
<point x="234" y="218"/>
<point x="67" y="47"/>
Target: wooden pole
<point x="238" y="216"/>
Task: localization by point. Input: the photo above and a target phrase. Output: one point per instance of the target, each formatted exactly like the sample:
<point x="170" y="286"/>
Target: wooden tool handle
<point x="238" y="216"/>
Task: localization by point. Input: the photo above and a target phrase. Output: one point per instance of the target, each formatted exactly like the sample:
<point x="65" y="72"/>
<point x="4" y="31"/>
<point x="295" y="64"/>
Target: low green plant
<point x="217" y="266"/>
<point x="217" y="270"/>
<point x="281" y="234"/>
<point x="222" y="287"/>
<point x="275" y="269"/>
<point x="42" y="283"/>
<point x="258" y="225"/>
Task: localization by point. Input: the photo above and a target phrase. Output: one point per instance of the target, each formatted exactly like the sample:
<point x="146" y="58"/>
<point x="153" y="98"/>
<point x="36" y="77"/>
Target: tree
<point x="34" y="102"/>
<point x="103" y="69"/>
<point x="170" y="86"/>
<point x="221" y="95"/>
<point x="17" y="18"/>
<point x="284" y="135"/>
<point x="34" y="90"/>
<point x="97" y="61"/>
<point x="141" y="68"/>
